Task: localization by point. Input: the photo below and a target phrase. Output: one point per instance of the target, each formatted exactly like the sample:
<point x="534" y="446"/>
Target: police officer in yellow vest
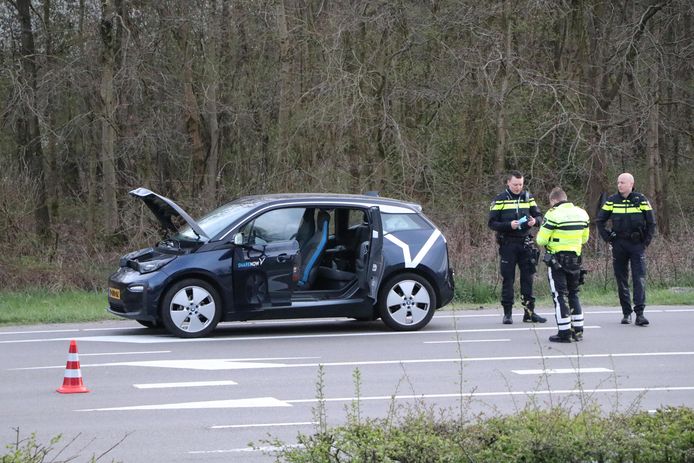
<point x="563" y="233"/>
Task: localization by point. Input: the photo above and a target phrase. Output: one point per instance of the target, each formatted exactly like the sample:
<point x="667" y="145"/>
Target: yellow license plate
<point x="114" y="293"/>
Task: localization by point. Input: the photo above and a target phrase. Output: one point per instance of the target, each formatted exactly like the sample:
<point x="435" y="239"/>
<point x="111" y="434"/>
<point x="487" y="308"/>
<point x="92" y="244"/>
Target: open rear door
<point x="374" y="268"/>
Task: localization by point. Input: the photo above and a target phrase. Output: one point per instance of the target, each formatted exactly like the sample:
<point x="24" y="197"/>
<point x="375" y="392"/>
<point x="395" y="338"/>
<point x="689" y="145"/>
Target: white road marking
<point x="263" y="425"/>
<point x="206" y="364"/>
<point x="255" y="402"/>
<point x="128" y="353"/>
<point x="586" y="312"/>
<point x="457" y="395"/>
<point x="466" y="340"/>
<point x="39" y="331"/>
<point x="193" y="364"/>
<point x="274" y="402"/>
<point x="169" y="339"/>
<point x="240" y="364"/>
<point x="187" y="384"/>
<point x="553" y="371"/>
<point x="267" y="448"/>
<point x="73" y="330"/>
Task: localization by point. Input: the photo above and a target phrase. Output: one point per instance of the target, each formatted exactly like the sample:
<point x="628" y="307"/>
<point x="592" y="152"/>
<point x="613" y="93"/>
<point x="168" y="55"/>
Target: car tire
<point x="150" y="324"/>
<point x="191" y="309"/>
<point x="406" y="302"/>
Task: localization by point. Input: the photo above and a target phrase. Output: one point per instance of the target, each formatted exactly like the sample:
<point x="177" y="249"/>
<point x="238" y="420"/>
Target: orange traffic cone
<point x="72" y="382"/>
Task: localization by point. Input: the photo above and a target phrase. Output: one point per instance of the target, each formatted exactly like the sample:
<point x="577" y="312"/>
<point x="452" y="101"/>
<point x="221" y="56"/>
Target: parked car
<point x="283" y="256"/>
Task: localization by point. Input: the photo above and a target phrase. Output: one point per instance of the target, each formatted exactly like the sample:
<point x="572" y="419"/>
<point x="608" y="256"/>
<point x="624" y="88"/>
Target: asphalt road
<point x="161" y="398"/>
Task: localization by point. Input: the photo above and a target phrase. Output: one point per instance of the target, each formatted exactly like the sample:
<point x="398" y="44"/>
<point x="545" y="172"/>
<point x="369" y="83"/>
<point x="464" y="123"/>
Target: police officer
<point x="633" y="227"/>
<point x="563" y="234"/>
<point x="511" y="214"/>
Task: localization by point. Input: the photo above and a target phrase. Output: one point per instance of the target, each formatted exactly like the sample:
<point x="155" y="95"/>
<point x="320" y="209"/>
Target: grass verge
<point x="41" y="306"/>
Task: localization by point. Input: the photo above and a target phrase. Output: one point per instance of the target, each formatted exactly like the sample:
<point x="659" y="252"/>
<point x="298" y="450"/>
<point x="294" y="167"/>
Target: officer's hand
<point x="531" y="222"/>
<point x="514" y="224"/>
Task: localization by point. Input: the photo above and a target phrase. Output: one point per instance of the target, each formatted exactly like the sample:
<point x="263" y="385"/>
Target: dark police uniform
<point x="563" y="235"/>
<point x="516" y="248"/>
<point x="633" y="227"/>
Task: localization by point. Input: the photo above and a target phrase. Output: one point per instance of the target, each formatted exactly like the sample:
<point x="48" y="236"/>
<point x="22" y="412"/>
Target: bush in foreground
<point x="548" y="436"/>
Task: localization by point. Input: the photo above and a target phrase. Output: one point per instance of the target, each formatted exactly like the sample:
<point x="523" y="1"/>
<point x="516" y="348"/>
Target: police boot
<point x="562" y="336"/>
<point x="641" y="320"/>
<point x="507" y="320"/>
<point x="577" y="334"/>
<point x="529" y="315"/>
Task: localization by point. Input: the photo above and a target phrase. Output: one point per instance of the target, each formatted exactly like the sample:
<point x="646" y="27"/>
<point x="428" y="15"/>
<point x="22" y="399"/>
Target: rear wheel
<point x="406" y="302"/>
<point x="191" y="309"/>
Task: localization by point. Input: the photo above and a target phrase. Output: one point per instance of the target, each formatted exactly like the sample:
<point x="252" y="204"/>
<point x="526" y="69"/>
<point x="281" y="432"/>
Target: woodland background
<point x="429" y="101"/>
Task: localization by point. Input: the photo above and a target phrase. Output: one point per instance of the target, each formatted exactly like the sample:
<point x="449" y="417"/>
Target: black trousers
<point x="512" y="254"/>
<point x="567" y="307"/>
<point x="626" y="253"/>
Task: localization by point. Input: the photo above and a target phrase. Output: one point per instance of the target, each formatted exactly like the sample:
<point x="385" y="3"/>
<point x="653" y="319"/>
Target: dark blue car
<point x="285" y="256"/>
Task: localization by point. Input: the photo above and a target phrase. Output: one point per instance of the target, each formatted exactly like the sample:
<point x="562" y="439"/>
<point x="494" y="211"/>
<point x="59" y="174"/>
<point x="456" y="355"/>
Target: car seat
<point x="307" y="228"/>
<point x="312" y="251"/>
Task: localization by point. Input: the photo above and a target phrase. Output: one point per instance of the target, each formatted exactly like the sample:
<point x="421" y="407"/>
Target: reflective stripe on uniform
<point x="562" y="323"/>
<point x="508" y="205"/>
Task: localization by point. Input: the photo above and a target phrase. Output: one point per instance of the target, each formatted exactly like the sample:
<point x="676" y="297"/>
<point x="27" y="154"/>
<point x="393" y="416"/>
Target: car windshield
<point x="215" y="221"/>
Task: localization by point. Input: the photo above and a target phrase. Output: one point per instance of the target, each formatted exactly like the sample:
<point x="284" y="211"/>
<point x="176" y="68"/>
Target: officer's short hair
<point x="511" y="174"/>
<point x="557" y="194"/>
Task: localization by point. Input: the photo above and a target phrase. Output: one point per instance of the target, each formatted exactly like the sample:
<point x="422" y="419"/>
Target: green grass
<point x="34" y="307"/>
<point x="594" y="292"/>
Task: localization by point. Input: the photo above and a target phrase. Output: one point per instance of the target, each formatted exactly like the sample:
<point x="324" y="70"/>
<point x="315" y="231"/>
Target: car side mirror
<point x="238" y="239"/>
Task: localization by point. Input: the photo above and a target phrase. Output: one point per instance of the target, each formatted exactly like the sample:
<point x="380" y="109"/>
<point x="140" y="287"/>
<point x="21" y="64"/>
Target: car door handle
<point x="284" y="257"/>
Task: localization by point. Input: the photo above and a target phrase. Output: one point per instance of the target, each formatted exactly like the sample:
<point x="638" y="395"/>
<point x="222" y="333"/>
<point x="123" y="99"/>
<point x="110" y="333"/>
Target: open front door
<point x="263" y="274"/>
<point x="374" y="268"/>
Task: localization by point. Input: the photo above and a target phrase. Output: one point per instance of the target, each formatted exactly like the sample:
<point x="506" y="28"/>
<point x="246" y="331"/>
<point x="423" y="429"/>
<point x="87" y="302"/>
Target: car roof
<point x="332" y="198"/>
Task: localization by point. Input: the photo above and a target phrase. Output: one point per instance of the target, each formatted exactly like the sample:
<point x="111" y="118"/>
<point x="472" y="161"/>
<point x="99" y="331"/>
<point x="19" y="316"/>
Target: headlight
<point x="152" y="265"/>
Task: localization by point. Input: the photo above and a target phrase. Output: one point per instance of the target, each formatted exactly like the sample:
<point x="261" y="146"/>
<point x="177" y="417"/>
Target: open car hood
<point x="165" y="210"/>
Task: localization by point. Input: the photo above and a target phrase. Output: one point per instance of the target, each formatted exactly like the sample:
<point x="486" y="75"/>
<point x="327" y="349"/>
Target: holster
<point x="551" y="261"/>
<point x="533" y="251"/>
<point x="570" y="262"/>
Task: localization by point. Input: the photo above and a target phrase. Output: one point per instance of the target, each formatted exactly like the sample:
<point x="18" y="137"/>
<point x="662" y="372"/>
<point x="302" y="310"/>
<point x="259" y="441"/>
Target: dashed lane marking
<point x="184" y="384"/>
<point x="266" y="448"/>
<point x="466" y="341"/>
<point x="263" y="425"/>
<point x="559" y="371"/>
<point x="126" y="353"/>
<point x="256" y="402"/>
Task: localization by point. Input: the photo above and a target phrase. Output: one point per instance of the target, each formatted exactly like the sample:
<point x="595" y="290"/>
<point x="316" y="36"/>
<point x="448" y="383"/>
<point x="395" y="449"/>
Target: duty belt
<point x="520" y="239"/>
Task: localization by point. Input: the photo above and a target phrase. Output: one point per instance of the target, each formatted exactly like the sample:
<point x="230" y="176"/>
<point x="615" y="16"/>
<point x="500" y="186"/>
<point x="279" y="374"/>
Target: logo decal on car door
<point x="409" y="262"/>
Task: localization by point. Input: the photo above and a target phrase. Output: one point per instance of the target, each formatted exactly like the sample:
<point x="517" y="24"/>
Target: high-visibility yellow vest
<point x="565" y="229"/>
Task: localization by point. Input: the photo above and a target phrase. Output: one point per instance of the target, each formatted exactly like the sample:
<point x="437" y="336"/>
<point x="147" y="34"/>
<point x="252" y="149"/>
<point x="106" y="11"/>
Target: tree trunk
<point x="213" y="63"/>
<point x="284" y="86"/>
<point x="30" y="136"/>
<point x="501" y="119"/>
<point x="109" y="25"/>
<point x="656" y="188"/>
<point x="193" y="121"/>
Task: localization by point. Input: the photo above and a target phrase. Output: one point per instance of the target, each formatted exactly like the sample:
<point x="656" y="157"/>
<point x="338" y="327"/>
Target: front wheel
<point x="191" y="309"/>
<point x="406" y="302"/>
